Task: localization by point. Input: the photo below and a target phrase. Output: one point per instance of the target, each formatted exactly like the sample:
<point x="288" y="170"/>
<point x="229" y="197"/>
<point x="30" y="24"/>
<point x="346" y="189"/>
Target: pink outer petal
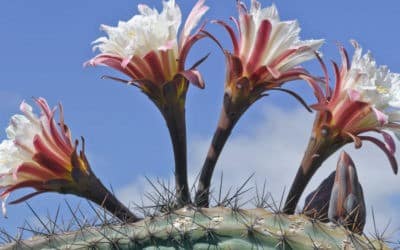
<point x="194" y="17"/>
<point x="66" y="133"/>
<point x="385" y="149"/>
<point x="112" y="61"/>
<point x="356" y="140"/>
<point x="184" y="50"/>
<point x="48" y="159"/>
<point x="31" y="169"/>
<point x="274" y="72"/>
<point x="131" y="70"/>
<point x="289" y="75"/>
<point x="124" y="65"/>
<point x="390" y="144"/>
<point x="194" y="77"/>
<point x="141" y="66"/>
<point x="381" y="117"/>
<point x="232" y="35"/>
<point x="319" y="94"/>
<point x="234" y="67"/>
<point x="29" y="183"/>
<point x="26" y="197"/>
<point x="61" y="143"/>
<point x="345" y="61"/>
<point x="154" y="62"/>
<point x="338" y="83"/>
<point x="328" y="91"/>
<point x="350" y="113"/>
<point x="320" y="107"/>
<point x="45" y="108"/>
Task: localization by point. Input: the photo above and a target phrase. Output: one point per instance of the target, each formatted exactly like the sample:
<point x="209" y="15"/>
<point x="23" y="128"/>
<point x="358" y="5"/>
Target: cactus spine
<point x="209" y="228"/>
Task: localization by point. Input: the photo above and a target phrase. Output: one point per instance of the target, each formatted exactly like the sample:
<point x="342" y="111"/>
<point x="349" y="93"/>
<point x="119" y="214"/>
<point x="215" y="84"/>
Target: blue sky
<point x="44" y="44"/>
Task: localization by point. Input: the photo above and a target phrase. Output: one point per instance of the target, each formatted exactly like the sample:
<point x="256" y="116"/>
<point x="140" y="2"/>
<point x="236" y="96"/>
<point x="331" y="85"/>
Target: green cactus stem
<point x="209" y="228"/>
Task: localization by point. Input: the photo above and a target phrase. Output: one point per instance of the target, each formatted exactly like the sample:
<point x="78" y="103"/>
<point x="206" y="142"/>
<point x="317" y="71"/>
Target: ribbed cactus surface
<point x="209" y="228"/>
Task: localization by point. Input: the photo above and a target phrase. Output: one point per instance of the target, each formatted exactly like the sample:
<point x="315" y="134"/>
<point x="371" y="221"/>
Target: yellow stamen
<point x="382" y="90"/>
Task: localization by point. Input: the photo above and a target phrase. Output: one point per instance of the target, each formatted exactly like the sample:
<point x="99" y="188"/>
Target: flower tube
<point x="148" y="50"/>
<point x="40" y="154"/>
<point x="266" y="54"/>
<point x="365" y="98"/>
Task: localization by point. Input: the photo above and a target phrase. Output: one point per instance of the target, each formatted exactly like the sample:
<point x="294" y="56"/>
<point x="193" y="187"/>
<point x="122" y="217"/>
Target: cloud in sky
<point x="273" y="148"/>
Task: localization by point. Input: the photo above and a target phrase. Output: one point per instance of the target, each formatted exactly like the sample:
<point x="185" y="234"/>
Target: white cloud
<point x="273" y="148"/>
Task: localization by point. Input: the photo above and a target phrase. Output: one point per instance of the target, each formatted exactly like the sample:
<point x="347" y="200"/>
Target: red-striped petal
<point x="232" y="35"/>
<point x="260" y="45"/>
<point x="390" y="144"/>
<point x="338" y="82"/>
<point x="111" y="61"/>
<point x="29" y="183"/>
<point x="381" y="117"/>
<point x="384" y="148"/>
<point x="234" y="67"/>
<point x="194" y="77"/>
<point x="31" y="169"/>
<point x="184" y="50"/>
<point x="154" y="62"/>
<point x="47" y="158"/>
<point x="26" y="197"/>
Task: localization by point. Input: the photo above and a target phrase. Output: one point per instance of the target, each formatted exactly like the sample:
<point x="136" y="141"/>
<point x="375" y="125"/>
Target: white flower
<point x="264" y="38"/>
<point x="376" y="84"/>
<point x="364" y="99"/>
<point x="147" y="48"/>
<point x="143" y="33"/>
<point x="266" y="51"/>
<point x="37" y="153"/>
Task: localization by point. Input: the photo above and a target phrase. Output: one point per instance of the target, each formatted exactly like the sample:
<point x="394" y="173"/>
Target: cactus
<point x="41" y="154"/>
<point x="209" y="228"/>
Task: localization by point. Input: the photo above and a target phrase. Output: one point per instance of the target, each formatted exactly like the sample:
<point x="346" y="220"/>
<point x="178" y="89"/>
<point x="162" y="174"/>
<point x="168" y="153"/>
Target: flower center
<point x="382" y="90"/>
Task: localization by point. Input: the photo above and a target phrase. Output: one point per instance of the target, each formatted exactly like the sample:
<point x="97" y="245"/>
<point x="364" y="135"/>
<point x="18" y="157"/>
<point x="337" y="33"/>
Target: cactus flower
<point x="40" y="154"/>
<point x="267" y="52"/>
<point x="147" y="49"/>
<point x="365" y="98"/>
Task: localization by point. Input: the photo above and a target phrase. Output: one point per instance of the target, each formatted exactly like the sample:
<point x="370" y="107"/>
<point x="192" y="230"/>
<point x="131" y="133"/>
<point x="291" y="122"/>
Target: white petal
<point x="284" y="36"/>
<point x="143" y="33"/>
<point x="22" y="128"/>
<point x="377" y="85"/>
<point x="9" y="158"/>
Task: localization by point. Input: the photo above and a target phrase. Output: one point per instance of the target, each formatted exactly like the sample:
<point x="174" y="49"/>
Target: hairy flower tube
<point x="40" y="154"/>
<point x="339" y="198"/>
<point x="266" y="53"/>
<point x="365" y="98"/>
<point x="147" y="49"/>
